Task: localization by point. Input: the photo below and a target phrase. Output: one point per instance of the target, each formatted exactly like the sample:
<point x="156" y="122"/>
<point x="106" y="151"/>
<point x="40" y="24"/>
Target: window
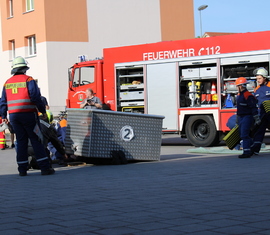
<point x="31" y="45"/>
<point x="29" y="5"/>
<point x="10" y="8"/>
<point x="87" y="75"/>
<point x="11" y="49"/>
<point x="84" y="76"/>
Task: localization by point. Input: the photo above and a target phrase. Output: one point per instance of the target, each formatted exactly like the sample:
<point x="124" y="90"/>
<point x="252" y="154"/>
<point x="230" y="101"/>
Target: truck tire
<point x="201" y="131"/>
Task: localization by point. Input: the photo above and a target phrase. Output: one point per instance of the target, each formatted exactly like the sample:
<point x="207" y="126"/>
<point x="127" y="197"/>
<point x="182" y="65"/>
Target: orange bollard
<point x="2" y="138"/>
<point x="214" y="96"/>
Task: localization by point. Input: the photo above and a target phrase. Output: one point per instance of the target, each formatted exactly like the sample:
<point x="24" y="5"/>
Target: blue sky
<point x="236" y="16"/>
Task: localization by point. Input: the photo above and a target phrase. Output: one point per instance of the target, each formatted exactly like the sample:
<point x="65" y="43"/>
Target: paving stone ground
<point x="181" y="194"/>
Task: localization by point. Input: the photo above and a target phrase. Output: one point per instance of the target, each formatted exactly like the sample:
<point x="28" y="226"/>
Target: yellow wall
<point x="51" y="20"/>
<point x="22" y="23"/>
<point x="66" y="20"/>
<point x="177" y="19"/>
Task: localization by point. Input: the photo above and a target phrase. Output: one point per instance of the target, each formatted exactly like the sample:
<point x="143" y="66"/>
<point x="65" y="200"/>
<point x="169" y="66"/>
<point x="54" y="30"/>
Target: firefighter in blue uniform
<point x="247" y="113"/>
<point x="262" y="93"/>
<point x="21" y="98"/>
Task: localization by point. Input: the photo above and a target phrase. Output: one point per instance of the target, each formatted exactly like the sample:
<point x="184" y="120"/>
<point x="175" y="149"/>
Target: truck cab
<point x="83" y="75"/>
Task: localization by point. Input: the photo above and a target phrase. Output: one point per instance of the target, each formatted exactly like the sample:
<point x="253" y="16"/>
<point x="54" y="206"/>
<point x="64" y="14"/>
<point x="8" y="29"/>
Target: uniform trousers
<point x="24" y="125"/>
<point x="259" y="135"/>
<point x="245" y="123"/>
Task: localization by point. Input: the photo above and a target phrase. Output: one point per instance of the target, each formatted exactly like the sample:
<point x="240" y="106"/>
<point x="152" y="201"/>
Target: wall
<point x="177" y="19"/>
<point x="122" y="22"/>
<point x="66" y="29"/>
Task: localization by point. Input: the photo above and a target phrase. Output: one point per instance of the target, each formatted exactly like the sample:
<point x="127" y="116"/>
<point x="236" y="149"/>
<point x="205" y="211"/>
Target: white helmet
<point x="18" y="62"/>
<point x="260" y="71"/>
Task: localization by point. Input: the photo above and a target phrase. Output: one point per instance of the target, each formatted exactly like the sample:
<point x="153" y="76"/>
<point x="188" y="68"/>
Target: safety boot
<point x="244" y="155"/>
<point x="23" y="173"/>
<point x="50" y="171"/>
<point x="254" y="153"/>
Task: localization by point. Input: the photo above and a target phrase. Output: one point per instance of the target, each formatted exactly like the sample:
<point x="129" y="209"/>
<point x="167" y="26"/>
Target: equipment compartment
<point x="208" y="72"/>
<point x="132" y="95"/>
<point x="131" y="103"/>
<point x="130" y="86"/>
<point x="198" y="85"/>
<point x="230" y="72"/>
<point x="234" y="71"/>
<point x="190" y="73"/>
<point x="230" y="87"/>
<point x="243" y="71"/>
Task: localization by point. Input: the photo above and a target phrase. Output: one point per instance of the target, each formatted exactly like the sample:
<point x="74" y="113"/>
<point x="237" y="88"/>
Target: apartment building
<point x="51" y="34"/>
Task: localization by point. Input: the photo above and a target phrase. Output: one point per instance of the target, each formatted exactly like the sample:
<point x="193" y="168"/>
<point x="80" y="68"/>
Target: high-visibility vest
<point x="18" y="99"/>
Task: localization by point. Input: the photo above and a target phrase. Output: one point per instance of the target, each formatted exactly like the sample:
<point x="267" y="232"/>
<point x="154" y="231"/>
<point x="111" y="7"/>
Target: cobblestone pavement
<point x="181" y="194"/>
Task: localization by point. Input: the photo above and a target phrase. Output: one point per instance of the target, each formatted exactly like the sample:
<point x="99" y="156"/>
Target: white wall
<point x="110" y="24"/>
<point x="60" y="57"/>
<point x="4" y="65"/>
<point x="121" y="23"/>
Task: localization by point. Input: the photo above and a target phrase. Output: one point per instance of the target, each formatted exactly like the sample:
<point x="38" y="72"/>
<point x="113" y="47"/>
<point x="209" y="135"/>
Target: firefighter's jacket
<point x="262" y="93"/>
<point x="246" y="104"/>
<point x="21" y="94"/>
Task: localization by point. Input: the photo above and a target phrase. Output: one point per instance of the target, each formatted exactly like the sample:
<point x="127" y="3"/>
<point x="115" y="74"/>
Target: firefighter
<point x="49" y="116"/>
<point x="60" y="131"/>
<point x="262" y="93"/>
<point x="247" y="113"/>
<point x="21" y="98"/>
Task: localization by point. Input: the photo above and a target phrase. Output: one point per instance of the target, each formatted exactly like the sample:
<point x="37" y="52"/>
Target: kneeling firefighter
<point x="49" y="134"/>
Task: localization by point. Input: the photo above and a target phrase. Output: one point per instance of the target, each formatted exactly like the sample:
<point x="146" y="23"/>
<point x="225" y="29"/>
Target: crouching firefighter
<point x="49" y="134"/>
<point x="247" y="114"/>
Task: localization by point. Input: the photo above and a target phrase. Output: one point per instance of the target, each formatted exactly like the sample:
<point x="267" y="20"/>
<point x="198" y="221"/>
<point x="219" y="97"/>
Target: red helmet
<point x="241" y="81"/>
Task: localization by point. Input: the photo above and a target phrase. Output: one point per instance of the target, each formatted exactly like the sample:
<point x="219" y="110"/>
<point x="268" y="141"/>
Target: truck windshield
<point x="84" y="76"/>
<point x="69" y="74"/>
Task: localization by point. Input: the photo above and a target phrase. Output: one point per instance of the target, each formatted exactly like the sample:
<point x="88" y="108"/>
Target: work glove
<point x="257" y="120"/>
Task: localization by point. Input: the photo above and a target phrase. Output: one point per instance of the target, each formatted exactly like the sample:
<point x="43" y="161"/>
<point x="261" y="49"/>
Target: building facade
<point x="52" y="34"/>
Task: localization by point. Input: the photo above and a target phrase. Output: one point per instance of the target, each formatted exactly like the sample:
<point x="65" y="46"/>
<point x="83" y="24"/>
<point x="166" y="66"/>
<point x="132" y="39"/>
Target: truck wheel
<point x="201" y="131"/>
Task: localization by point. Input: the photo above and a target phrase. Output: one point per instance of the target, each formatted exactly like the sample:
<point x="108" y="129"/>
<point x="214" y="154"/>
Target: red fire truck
<point x="190" y="82"/>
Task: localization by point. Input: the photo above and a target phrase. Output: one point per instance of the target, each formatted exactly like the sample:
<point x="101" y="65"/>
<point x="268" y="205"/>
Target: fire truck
<point x="190" y="82"/>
